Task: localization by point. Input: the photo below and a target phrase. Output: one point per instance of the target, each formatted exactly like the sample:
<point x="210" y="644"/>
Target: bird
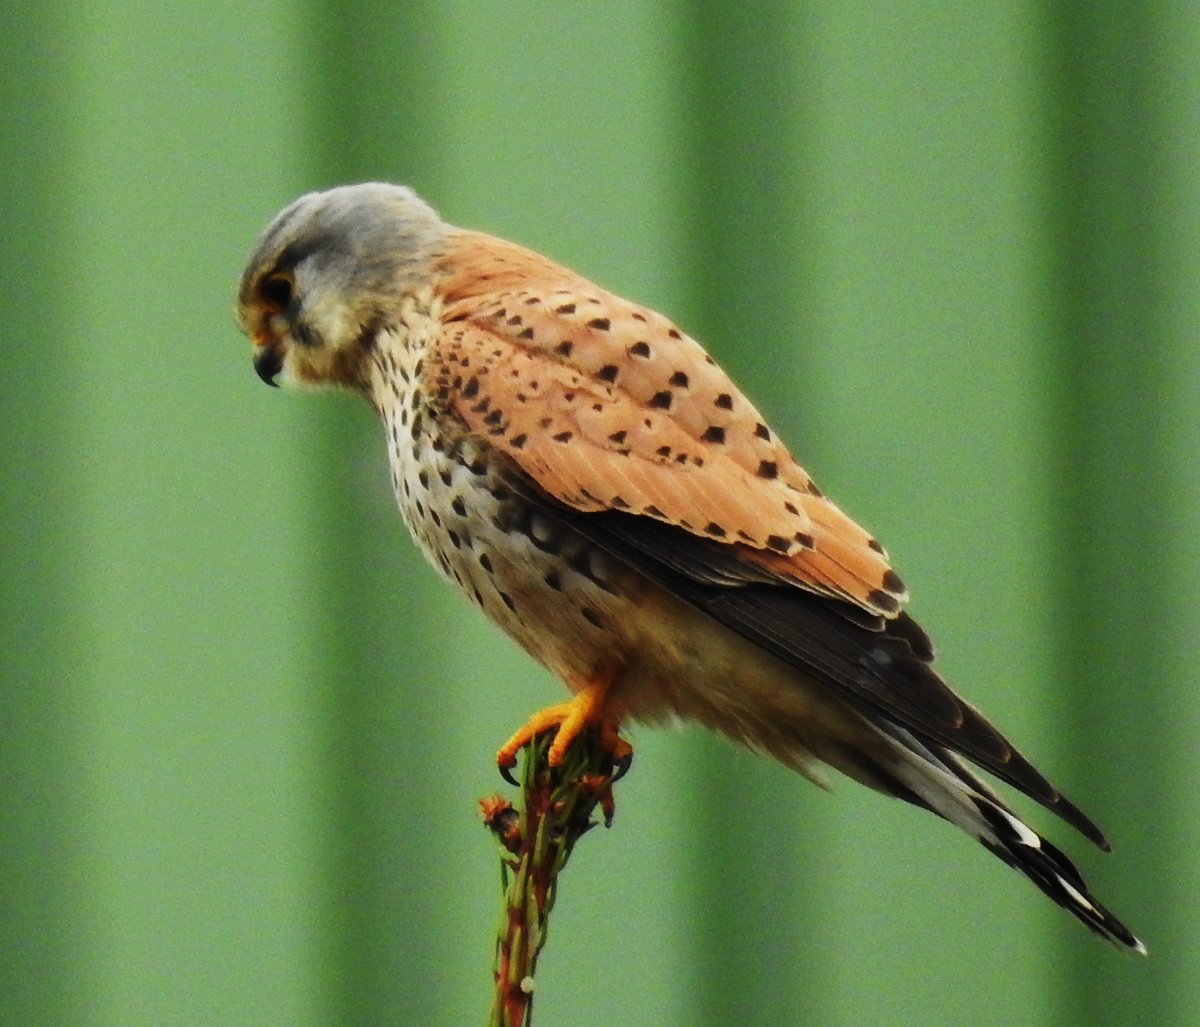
<point x="588" y="475"/>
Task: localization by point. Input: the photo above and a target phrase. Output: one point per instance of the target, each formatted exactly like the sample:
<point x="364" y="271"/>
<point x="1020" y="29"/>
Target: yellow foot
<point x="586" y="710"/>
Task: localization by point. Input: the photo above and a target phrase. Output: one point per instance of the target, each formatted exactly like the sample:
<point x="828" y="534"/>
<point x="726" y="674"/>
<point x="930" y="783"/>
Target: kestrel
<point x="586" y="474"/>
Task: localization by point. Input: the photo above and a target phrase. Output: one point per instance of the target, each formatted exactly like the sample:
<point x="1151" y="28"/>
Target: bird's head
<point x="327" y="274"/>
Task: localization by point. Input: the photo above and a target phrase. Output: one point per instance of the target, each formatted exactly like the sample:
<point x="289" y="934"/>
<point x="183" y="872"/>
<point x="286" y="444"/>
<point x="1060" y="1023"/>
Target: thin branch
<point x="556" y="807"/>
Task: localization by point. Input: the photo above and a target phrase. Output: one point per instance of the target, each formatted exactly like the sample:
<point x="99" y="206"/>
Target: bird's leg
<point x="587" y="709"/>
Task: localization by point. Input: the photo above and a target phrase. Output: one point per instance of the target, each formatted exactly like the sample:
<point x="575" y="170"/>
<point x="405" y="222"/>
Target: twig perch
<point x="536" y="841"/>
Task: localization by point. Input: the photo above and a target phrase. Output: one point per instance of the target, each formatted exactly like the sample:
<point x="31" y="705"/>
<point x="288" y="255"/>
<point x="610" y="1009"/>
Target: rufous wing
<point x="608" y="405"/>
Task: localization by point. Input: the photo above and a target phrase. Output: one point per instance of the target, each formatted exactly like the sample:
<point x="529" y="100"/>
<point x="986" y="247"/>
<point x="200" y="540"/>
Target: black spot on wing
<point x="883" y="601"/>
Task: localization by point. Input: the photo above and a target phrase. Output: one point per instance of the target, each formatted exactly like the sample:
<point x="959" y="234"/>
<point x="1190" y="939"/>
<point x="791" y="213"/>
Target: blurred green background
<point x="951" y="250"/>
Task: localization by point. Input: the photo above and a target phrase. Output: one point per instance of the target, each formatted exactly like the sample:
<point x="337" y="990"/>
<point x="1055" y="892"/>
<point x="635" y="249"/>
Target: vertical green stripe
<point x="761" y="834"/>
<point x="921" y="255"/>
<point x="1126" y="370"/>
<point x="390" y="795"/>
<point x="45" y="974"/>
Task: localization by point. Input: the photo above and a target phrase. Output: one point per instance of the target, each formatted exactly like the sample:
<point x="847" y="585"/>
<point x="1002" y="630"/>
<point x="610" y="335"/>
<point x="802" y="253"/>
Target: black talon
<point x="621" y="767"/>
<point x="506" y="773"/>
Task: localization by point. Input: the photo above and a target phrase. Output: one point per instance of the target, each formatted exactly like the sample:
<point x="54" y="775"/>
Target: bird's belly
<point x="560" y="597"/>
<point x="691" y="667"/>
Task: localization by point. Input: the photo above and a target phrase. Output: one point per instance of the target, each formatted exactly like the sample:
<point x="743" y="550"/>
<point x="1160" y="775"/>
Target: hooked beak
<point x="268" y="357"/>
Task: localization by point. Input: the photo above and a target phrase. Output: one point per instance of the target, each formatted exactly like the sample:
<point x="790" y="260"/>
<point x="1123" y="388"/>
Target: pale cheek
<point x="333" y="318"/>
<point x="302" y="377"/>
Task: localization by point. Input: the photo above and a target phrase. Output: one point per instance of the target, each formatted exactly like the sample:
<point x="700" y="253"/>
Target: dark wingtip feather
<point x="1079" y="820"/>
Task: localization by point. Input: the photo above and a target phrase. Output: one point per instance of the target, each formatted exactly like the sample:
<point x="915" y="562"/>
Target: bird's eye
<point x="277" y="289"/>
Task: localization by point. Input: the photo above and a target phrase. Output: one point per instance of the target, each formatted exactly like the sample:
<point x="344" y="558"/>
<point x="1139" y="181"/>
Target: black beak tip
<point x="268" y="363"/>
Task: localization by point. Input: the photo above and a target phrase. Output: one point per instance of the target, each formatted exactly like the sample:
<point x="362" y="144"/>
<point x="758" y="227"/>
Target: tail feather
<point x="937" y="780"/>
<point x="1045" y="865"/>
